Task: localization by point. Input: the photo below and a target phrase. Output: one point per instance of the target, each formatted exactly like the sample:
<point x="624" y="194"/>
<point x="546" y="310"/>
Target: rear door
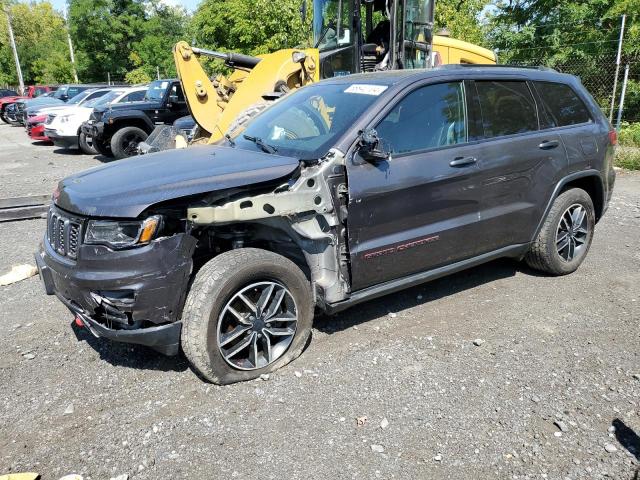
<point x="518" y="163"/>
<point x="417" y="210"/>
<point x="567" y="112"/>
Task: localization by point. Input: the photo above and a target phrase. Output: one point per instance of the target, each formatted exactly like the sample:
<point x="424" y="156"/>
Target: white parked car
<point x="63" y="124"/>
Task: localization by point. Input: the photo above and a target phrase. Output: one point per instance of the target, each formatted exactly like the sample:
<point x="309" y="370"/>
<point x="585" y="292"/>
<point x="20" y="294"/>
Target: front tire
<point x="566" y="235"/>
<point x="102" y="148"/>
<point x="124" y="143"/>
<point x="249" y="312"/>
<point x="86" y="144"/>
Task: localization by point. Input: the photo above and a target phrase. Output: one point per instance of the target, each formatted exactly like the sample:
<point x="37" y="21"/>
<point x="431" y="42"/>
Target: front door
<point x="418" y="209"/>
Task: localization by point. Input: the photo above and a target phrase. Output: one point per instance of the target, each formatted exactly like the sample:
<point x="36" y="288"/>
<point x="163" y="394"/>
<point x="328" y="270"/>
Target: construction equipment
<point x="346" y="41"/>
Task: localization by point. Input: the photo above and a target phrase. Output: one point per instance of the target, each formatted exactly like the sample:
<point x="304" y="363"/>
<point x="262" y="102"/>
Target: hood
<point x="4" y="100"/>
<point x="36" y="102"/>
<point x="125" y="188"/>
<point x="57" y="109"/>
<point x="141" y="105"/>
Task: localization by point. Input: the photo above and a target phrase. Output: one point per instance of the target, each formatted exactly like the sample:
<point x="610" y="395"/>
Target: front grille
<point x="64" y="234"/>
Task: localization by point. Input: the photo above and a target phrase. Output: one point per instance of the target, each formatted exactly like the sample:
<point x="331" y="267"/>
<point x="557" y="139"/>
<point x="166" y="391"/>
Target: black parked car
<point x="343" y="191"/>
<point x="116" y="130"/>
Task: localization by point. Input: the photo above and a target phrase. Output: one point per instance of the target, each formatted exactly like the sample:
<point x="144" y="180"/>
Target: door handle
<point x="549" y="144"/>
<point x="462" y="161"/>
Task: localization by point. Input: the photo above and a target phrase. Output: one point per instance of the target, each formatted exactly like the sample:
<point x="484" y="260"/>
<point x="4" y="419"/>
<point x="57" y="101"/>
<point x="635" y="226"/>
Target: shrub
<point x="629" y="135"/>
<point x="627" y="157"/>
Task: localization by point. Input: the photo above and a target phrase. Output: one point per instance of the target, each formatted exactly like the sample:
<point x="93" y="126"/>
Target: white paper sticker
<point x="364" y="89"/>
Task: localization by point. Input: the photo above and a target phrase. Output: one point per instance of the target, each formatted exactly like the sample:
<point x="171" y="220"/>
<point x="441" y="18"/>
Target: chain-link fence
<point x="597" y="74"/>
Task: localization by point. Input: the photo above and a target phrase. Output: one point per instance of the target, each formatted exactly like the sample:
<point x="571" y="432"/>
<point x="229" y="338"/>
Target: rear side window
<point x="507" y="108"/>
<point x="562" y="104"/>
<point x="429" y="117"/>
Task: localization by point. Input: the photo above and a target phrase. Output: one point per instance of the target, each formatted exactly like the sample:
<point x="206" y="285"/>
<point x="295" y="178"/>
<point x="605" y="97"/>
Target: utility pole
<point x="615" y="79"/>
<point x="15" y="51"/>
<point x="624" y="91"/>
<point x="157" y="73"/>
<point x="73" y="59"/>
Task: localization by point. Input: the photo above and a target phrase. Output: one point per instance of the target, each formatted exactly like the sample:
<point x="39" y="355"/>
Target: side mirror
<point x="371" y="147"/>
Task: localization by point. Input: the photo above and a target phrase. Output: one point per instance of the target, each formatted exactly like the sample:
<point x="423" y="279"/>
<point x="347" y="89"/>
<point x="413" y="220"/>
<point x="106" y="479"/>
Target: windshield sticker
<point x="365" y="89"/>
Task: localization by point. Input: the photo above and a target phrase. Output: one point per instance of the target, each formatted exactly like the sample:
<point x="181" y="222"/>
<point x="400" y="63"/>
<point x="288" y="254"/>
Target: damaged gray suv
<point x="343" y="191"/>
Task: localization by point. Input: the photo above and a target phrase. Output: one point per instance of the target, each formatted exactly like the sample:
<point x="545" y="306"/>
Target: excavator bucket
<point x="216" y="103"/>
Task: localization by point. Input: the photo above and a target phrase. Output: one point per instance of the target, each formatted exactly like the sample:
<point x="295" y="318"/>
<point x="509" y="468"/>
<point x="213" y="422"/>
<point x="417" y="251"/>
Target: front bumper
<point x="132" y="296"/>
<point x="37" y="133"/>
<point x="93" y="130"/>
<point x="61" y="140"/>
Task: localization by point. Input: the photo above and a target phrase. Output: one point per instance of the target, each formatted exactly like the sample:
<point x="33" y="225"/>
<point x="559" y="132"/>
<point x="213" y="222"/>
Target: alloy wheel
<point x="257" y="325"/>
<point x="572" y="232"/>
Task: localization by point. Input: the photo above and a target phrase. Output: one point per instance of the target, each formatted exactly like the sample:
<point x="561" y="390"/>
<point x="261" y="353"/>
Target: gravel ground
<point x="395" y="388"/>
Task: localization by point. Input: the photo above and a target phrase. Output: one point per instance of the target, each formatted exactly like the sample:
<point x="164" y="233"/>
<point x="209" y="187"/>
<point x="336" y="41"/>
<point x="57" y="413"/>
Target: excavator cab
<point x="355" y="36"/>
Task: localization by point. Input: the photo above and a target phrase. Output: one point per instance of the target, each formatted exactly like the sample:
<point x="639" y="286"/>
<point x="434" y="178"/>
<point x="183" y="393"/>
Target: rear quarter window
<point x="507" y="108"/>
<point x="563" y="106"/>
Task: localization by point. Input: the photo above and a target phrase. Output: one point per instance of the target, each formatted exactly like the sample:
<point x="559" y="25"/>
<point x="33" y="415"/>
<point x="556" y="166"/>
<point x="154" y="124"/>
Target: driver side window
<point x="429" y="117"/>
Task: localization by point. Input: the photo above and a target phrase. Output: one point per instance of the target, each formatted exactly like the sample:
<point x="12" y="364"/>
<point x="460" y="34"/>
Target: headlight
<point x="122" y="234"/>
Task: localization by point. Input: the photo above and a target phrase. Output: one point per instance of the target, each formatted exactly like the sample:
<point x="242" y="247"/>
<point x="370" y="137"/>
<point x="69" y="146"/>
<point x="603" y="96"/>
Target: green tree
<point x="105" y="31"/>
<point x="41" y="40"/>
<point x="461" y="18"/>
<point x="248" y="26"/>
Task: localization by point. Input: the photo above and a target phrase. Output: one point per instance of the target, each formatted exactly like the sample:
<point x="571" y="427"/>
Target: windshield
<point x="60" y="93"/>
<point x="307" y="123"/>
<point x="103" y="100"/>
<point x="156" y="90"/>
<point x="331" y="23"/>
<point x="78" y="98"/>
<point x="418" y="23"/>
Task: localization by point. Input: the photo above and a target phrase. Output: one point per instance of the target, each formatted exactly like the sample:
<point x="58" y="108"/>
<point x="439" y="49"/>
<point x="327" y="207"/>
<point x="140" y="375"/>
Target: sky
<point x="190" y="5"/>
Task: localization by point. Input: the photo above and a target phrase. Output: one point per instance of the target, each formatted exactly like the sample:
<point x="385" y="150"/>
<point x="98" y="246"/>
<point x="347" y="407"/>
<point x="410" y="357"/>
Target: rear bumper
<point x="60" y="140"/>
<point x="131" y="296"/>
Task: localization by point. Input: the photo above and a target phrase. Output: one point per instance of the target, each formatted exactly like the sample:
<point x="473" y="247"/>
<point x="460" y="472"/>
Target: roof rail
<point x="495" y="65"/>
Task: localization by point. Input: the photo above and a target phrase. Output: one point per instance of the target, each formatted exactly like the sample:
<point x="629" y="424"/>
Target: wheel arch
<point x="588" y="180"/>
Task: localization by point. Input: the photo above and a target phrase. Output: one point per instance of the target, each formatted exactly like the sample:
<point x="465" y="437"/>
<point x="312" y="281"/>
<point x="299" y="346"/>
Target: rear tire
<point x="85" y="145"/>
<point x="566" y="235"/>
<point x="124" y="143"/>
<point x="210" y="317"/>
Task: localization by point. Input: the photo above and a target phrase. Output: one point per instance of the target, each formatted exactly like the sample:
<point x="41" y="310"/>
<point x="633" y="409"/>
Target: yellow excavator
<point x="346" y="41"/>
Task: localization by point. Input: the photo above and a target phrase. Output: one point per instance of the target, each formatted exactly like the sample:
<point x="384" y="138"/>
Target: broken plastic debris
<point x="20" y="476"/>
<point x="17" y="273"/>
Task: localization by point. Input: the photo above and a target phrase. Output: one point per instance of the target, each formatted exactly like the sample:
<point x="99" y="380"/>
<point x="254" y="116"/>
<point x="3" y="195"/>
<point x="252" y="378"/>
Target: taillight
<point x="613" y="137"/>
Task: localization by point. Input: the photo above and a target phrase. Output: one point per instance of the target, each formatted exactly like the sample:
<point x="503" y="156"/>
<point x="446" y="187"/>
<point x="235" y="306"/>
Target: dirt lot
<point x="556" y="380"/>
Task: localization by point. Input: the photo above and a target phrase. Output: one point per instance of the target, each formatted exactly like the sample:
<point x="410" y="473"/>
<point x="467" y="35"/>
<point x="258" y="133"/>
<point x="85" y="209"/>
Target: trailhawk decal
<point x="401" y="248"/>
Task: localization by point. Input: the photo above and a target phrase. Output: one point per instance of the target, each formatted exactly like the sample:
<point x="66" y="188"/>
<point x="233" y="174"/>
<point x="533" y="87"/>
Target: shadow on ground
<point x="627" y="438"/>
<point x="430" y="291"/>
<point x="130" y="355"/>
<point x="140" y="357"/>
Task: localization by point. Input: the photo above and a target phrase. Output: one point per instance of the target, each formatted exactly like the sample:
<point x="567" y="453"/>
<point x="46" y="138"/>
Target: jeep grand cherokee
<point x="340" y="192"/>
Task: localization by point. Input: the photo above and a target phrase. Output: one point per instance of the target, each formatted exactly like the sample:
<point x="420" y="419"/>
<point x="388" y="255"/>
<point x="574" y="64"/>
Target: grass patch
<point x="627" y="157"/>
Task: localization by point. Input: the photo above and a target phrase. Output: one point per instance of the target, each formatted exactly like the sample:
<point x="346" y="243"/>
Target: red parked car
<point x="35" y="128"/>
<point x="33" y="91"/>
